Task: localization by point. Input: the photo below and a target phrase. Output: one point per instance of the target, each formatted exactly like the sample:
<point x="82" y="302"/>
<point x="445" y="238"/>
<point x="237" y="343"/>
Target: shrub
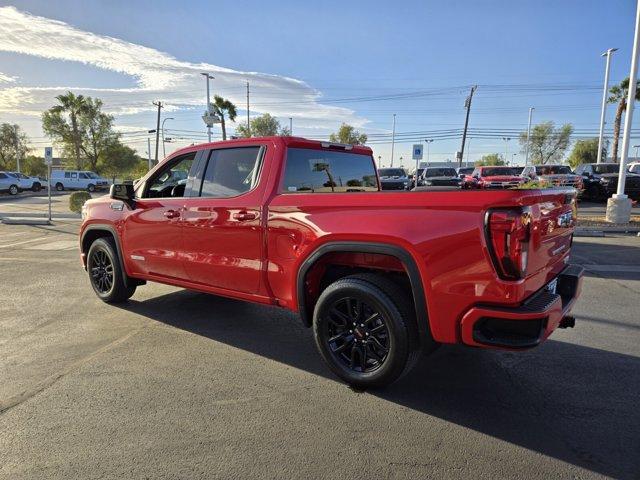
<point x="534" y="185"/>
<point x="77" y="199"/>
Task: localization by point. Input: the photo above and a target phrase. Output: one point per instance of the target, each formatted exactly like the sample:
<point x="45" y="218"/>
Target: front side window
<point x="320" y="171"/>
<point x="606" y="168"/>
<point x="82" y="175"/>
<point x="231" y="172"/>
<point x="2" y="175"/>
<point x="171" y="180"/>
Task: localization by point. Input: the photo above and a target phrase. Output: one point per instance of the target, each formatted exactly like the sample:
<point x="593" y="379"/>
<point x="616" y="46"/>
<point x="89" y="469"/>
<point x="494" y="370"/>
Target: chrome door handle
<point x="171" y="214"/>
<point x="244" y="216"/>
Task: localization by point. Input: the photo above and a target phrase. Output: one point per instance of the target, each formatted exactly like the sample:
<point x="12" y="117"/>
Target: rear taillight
<point x="508" y="234"/>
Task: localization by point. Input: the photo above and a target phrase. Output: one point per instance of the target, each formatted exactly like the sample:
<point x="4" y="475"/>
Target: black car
<point x="393" y="178"/>
<point x="440" y="177"/>
<point x="601" y="181"/>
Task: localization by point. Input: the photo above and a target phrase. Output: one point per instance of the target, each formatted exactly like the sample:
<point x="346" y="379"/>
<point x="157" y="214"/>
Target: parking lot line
<point x="32" y="240"/>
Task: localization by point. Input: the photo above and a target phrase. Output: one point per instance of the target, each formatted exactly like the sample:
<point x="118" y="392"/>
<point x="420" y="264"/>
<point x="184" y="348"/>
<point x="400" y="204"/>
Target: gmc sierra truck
<point x="381" y="277"/>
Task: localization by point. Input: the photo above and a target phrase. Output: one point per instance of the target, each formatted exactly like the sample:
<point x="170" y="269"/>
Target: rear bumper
<point x="527" y="325"/>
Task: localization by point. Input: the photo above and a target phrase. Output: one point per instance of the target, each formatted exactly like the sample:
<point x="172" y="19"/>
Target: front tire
<point x="363" y="332"/>
<point x="36" y="187"/>
<point x="105" y="274"/>
<point x="13" y="190"/>
<point x="91" y="188"/>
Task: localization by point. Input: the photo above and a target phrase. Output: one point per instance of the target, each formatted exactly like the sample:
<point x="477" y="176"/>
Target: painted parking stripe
<point x="32" y="240"/>
<point x="59" y="245"/>
<point x="612" y="268"/>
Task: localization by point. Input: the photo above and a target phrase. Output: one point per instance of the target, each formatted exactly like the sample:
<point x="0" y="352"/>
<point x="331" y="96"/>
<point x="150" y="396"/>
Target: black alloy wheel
<point x="357" y="334"/>
<point x="101" y="271"/>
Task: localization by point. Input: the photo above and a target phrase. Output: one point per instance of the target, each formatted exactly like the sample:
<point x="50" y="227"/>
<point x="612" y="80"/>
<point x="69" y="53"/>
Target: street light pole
<point x="506" y="148"/>
<point x="468" y="150"/>
<point x="208" y="77"/>
<point x="428" y="142"/>
<point x="619" y="205"/>
<point x="526" y="155"/>
<point x="636" y="147"/>
<point x="605" y="92"/>
<point x="393" y="138"/>
<point x="291" y="126"/>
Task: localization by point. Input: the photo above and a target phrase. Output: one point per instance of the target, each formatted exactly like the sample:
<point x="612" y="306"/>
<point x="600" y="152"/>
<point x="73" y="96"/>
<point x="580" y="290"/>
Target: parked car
<point x="601" y="181"/>
<point x="78" y="180"/>
<point x="440" y="177"/>
<point x="9" y="183"/>
<point x="634" y="167"/>
<point x="26" y="182"/>
<point x="302" y="224"/>
<point x="464" y="171"/>
<point x="493" y="177"/>
<point x="557" y="175"/>
<point x="393" y="178"/>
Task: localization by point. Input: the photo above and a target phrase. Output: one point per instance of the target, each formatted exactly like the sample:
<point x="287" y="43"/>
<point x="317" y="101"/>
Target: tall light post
<point x="468" y="150"/>
<point x="506" y="148"/>
<point x="619" y="205"/>
<point x="526" y="154"/>
<point x="164" y="153"/>
<point x="428" y="142"/>
<point x="208" y="112"/>
<point x="291" y="126"/>
<point x="513" y="158"/>
<point x="605" y="92"/>
<point x="636" y="147"/>
<point x="393" y="138"/>
<point x="379" y="161"/>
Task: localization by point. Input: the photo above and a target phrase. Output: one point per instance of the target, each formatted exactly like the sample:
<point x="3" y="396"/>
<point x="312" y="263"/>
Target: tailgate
<point x="553" y="220"/>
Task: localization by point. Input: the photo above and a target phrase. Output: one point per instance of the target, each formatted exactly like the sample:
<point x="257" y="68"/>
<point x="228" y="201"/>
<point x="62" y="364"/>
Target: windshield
<point x="498" y="171"/>
<point x="440" y="172"/>
<point x="606" y="168"/>
<point x="465" y="170"/>
<point x="553" y="170"/>
<point x="391" y="172"/>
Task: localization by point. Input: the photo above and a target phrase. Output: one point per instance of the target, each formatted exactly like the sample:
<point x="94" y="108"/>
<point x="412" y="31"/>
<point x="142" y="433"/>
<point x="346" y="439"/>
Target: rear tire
<point x="105" y="274"/>
<point x="366" y="337"/>
<point x="59" y="187"/>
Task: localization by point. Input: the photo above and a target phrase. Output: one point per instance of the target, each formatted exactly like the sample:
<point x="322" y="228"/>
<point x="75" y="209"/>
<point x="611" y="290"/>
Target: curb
<point x="602" y="231"/>
<point x="24" y="221"/>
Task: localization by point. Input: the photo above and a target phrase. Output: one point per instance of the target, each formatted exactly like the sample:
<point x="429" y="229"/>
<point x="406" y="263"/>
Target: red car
<point x="380" y="276"/>
<point x="493" y="177"/>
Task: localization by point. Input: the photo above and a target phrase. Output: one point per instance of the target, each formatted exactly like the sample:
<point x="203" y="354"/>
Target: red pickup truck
<point x="380" y="276"/>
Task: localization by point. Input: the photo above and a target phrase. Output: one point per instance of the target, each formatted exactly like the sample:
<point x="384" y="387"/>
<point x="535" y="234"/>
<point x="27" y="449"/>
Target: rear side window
<point x="321" y="171"/>
<point x="231" y="172"/>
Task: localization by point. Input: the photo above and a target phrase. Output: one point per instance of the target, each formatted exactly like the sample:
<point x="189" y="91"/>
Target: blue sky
<point x="544" y="54"/>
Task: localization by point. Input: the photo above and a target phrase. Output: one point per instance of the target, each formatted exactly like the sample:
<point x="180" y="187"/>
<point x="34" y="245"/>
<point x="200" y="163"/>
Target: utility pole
<point x="526" y="155"/>
<point x="159" y="105"/>
<point x="393" y="138"/>
<point x="605" y="92"/>
<point x="248" y="121"/>
<point x="619" y="205"/>
<point x="467" y="105"/>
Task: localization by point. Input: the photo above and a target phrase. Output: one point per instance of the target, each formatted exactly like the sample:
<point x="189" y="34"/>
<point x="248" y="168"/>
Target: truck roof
<point x="300" y="142"/>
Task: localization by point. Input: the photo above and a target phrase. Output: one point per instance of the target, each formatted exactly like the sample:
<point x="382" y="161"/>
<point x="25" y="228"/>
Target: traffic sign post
<point x="417" y="156"/>
<point x="48" y="160"/>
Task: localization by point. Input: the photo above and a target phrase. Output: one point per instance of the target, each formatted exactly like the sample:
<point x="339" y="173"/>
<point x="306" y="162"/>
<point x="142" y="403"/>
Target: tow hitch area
<point x="567" y="322"/>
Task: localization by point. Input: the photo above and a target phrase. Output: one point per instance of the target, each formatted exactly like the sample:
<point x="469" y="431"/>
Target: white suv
<point x="9" y="184"/>
<point x="26" y="182"/>
<point x="634" y="167"/>
<point x="78" y="180"/>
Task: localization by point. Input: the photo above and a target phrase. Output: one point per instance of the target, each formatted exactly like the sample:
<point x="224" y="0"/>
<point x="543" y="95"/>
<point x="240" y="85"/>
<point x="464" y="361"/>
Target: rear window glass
<point x="440" y="172"/>
<point x="321" y="171"/>
<point x="552" y="170"/>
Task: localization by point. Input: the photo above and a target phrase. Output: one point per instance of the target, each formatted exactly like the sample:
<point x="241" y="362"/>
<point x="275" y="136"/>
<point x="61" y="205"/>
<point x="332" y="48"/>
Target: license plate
<point x="552" y="285"/>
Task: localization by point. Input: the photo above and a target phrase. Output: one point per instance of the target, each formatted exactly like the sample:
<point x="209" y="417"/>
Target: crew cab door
<point x="223" y="228"/>
<point x="152" y="234"/>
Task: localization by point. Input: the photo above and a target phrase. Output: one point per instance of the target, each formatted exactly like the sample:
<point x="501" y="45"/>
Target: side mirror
<point x="123" y="192"/>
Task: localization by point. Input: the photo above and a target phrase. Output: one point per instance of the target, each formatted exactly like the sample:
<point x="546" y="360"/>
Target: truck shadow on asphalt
<point x="577" y="404"/>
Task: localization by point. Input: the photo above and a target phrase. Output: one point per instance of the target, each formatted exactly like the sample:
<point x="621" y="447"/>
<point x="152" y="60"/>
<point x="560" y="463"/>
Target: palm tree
<point x="618" y="94"/>
<point x="221" y="107"/>
<point x="74" y="106"/>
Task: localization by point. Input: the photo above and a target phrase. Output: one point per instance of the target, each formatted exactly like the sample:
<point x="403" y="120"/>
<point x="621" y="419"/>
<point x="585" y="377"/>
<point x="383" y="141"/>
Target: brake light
<point x="508" y="233"/>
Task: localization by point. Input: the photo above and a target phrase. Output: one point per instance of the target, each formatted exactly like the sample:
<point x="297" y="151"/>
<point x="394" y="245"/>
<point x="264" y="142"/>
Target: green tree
<point x="13" y="144"/>
<point x="618" y="94"/>
<point x="62" y="123"/>
<point x="586" y="151"/>
<point x="547" y="144"/>
<point x="349" y="135"/>
<point x="263" y="126"/>
<point x="96" y="132"/>
<point x="222" y="107"/>
<point x="33" y="165"/>
<point x="118" y="160"/>
<point x="492" y="160"/>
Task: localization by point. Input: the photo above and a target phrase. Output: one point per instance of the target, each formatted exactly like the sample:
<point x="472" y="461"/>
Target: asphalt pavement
<point x="176" y="384"/>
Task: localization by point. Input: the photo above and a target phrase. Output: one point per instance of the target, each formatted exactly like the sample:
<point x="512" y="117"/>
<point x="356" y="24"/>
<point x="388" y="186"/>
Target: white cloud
<point x="157" y="75"/>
